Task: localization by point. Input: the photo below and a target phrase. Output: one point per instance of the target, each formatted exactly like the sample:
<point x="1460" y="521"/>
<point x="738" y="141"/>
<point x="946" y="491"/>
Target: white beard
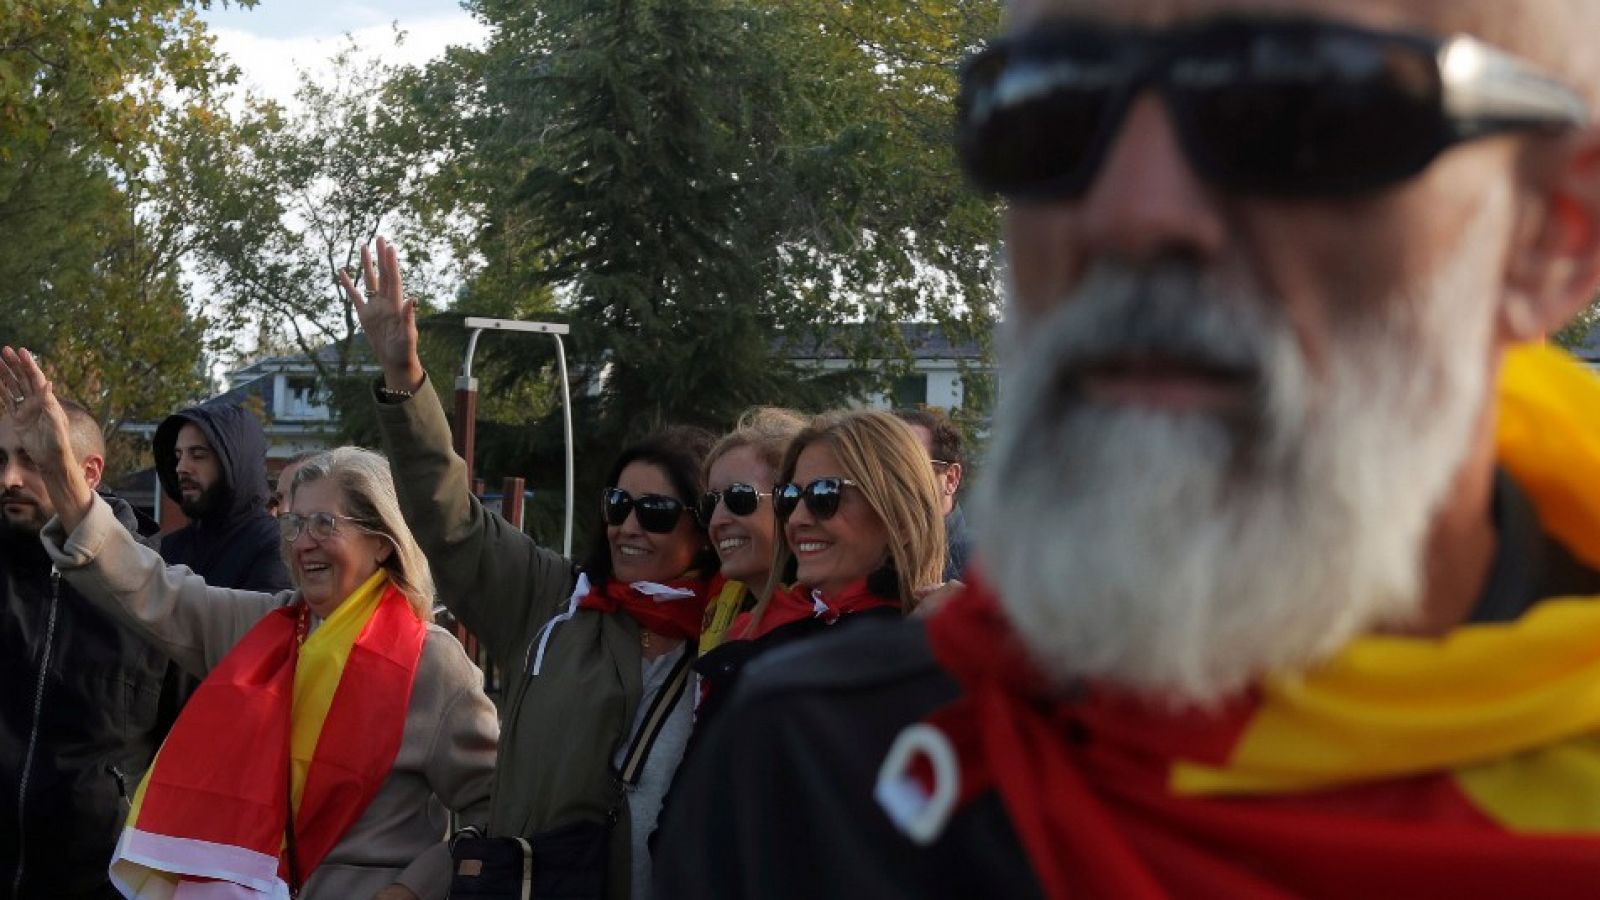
<point x="1181" y="556"/>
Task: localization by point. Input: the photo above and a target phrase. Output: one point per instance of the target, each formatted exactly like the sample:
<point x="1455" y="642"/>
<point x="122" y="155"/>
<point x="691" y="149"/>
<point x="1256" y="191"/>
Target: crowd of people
<point x="1284" y="570"/>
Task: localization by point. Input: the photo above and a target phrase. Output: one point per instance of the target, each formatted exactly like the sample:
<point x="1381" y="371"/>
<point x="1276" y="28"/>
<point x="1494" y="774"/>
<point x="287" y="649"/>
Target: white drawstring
<point x="579" y="591"/>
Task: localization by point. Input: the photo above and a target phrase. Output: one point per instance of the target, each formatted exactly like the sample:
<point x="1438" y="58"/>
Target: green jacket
<point x="559" y="730"/>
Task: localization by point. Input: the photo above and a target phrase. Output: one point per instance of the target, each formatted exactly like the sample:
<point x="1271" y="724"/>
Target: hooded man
<point x="1289" y="536"/>
<point x="212" y="463"/>
<point x="84" y="703"/>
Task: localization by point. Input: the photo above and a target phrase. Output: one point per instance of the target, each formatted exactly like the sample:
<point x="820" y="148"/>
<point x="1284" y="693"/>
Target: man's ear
<point x="1555" y="263"/>
<point x="953" y="475"/>
<point x="94" y="468"/>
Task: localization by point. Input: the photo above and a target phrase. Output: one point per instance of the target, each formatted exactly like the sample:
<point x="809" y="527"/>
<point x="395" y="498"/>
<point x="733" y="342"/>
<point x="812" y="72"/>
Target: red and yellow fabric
<point x="1467" y="766"/>
<point x="727" y="596"/>
<point x="321" y="720"/>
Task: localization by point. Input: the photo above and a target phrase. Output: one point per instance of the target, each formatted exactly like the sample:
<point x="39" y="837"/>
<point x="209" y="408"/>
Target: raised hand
<point x="31" y="405"/>
<point x="387" y="315"/>
<point x="28" y="401"/>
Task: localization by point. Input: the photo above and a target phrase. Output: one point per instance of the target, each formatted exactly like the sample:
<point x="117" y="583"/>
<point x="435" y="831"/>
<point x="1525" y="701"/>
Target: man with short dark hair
<point x="1290" y="526"/>
<point x="84" y="703"/>
<point x="278" y="501"/>
<point x="940" y="437"/>
<point x="212" y="463"/>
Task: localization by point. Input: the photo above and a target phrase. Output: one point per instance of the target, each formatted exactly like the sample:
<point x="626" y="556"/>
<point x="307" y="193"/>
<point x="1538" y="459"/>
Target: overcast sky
<point x="269" y="41"/>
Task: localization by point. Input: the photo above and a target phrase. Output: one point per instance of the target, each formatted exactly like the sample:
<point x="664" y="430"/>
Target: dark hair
<point x="680" y="452"/>
<point x="946" y="437"/>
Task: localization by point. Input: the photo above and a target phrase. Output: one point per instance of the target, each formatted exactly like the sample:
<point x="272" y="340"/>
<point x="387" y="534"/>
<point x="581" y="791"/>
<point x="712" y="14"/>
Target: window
<point x="909" y="391"/>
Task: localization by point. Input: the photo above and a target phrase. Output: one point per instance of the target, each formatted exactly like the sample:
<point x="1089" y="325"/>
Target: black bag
<point x="566" y="863"/>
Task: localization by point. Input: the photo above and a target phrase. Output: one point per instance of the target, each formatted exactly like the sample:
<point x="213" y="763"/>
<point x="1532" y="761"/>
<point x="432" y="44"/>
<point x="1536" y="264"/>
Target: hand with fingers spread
<point x="29" y="402"/>
<point x="387" y="315"/>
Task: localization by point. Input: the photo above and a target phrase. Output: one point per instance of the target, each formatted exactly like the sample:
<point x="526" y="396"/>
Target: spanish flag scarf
<point x="1462" y="767"/>
<point x="319" y="717"/>
<point x="797" y="602"/>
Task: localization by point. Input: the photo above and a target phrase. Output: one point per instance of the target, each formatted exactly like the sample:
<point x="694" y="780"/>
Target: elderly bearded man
<point x="1290" y="535"/>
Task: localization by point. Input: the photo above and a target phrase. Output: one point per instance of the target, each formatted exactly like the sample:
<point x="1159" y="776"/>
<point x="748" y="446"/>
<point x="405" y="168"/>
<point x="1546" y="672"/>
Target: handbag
<point x="565" y="863"/>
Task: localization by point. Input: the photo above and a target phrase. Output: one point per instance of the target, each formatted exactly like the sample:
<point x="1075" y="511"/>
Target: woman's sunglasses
<point x="740" y="498"/>
<point x="658" y="514"/>
<point x="1287" y="107"/>
<point x="821" y="497"/>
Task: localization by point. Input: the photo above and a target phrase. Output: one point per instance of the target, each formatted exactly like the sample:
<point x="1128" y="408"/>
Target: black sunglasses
<point x="821" y="496"/>
<point x="657" y="513"/>
<point x="1288" y="107"/>
<point x="741" y="499"/>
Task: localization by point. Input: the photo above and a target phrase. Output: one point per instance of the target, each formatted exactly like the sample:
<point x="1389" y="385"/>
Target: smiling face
<point x="744" y="543"/>
<point x="847" y="547"/>
<point x="639" y="555"/>
<point x="328" y="570"/>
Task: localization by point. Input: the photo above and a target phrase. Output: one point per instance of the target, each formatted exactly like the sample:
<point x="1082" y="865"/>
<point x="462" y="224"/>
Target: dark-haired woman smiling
<point x="591" y="655"/>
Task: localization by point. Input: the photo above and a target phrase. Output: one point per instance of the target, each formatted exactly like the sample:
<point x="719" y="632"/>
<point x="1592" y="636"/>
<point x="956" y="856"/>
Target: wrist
<point x="405" y="379"/>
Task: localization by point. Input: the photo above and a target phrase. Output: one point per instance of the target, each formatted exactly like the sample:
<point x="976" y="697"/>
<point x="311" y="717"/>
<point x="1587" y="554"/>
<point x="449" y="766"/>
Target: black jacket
<point x="777" y="799"/>
<point x="83" y="708"/>
<point x="236" y="544"/>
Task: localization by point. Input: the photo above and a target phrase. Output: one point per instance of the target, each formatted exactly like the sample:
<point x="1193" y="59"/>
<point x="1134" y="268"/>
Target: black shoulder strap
<point x="656" y="718"/>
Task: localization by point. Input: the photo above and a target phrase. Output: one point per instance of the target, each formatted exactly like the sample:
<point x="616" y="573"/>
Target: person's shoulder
<point x="870" y="654"/>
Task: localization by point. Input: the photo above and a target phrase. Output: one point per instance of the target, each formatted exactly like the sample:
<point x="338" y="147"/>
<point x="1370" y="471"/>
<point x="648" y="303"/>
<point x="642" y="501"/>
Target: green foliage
<point x="91" y="92"/>
<point x="688" y="181"/>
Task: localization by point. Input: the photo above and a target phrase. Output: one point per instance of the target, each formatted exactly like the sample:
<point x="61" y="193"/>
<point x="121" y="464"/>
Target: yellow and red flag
<point x="320" y="721"/>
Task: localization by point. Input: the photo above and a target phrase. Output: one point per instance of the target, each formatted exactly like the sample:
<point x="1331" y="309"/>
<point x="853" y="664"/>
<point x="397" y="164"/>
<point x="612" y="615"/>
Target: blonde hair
<point x="890" y="467"/>
<point x="367" y="488"/>
<point x="766" y="429"/>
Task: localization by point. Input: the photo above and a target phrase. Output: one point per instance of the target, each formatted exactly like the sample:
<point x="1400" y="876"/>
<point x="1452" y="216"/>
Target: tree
<point x="282" y="198"/>
<point x="695" y="183"/>
<point x="89" y="274"/>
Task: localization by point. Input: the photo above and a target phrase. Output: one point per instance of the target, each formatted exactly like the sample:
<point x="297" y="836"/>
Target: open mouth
<point x="626" y="550"/>
<point x="808" y="547"/>
<point x="730" y="544"/>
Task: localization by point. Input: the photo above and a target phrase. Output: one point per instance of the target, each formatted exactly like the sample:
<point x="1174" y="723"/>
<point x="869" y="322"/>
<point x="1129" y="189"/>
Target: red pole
<point x="465" y="422"/>
<point x="511" y="501"/>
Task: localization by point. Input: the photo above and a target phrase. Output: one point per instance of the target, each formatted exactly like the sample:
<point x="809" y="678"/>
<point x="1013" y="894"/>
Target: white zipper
<point x="33" y="734"/>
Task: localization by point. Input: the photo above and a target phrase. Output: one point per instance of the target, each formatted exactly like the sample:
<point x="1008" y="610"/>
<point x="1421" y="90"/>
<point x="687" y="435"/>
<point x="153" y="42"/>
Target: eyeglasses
<point x="322" y="525"/>
<point x="1294" y="107"/>
<point x="939" y="465"/>
<point x="740" y="498"/>
<point x="658" y="514"/>
<point x="821" y="497"/>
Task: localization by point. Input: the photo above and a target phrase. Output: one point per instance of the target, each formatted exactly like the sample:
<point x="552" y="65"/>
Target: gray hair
<point x="367" y="488"/>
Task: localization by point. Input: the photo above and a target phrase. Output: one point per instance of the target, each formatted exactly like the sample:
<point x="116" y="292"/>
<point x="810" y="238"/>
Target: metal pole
<point x="566" y="422"/>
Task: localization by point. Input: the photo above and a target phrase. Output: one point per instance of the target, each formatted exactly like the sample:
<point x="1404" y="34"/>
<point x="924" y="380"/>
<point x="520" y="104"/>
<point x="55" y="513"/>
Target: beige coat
<point x="446" y="756"/>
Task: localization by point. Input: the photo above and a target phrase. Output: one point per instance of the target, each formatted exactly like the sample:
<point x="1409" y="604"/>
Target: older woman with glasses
<point x="335" y="728"/>
<point x="597" y="711"/>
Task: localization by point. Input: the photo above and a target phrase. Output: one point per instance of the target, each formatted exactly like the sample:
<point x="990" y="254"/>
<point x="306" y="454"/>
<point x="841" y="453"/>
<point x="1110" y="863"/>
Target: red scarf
<point x="1090" y="785"/>
<point x="797" y="602"/>
<point x="675" y="609"/>
<point x="214" y="805"/>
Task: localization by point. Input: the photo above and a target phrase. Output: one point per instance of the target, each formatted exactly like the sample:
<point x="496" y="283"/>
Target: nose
<point x="304" y="540"/>
<point x="1147" y="202"/>
<point x="10" y="473"/>
<point x="183" y="468"/>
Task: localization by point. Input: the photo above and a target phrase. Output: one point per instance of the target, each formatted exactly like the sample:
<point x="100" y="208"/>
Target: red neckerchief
<point x="1084" y="781"/>
<point x="653" y="606"/>
<point x="796" y="602"/>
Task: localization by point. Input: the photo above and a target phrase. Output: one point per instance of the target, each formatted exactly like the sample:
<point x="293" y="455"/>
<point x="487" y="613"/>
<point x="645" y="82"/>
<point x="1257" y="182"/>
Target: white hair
<point x="1180" y="555"/>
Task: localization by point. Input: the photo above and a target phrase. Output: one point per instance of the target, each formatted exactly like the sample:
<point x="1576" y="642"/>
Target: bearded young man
<point x="1289" y="534"/>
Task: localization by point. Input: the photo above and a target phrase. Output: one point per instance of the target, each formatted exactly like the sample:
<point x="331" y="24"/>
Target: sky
<point x="271" y="40"/>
